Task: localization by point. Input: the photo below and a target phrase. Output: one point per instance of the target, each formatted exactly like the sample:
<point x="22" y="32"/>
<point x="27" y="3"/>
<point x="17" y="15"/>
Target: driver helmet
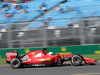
<point x="50" y="53"/>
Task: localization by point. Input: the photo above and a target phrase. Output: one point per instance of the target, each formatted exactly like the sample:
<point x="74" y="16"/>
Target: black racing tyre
<point x="59" y="63"/>
<point x="76" y="60"/>
<point x="15" y="63"/>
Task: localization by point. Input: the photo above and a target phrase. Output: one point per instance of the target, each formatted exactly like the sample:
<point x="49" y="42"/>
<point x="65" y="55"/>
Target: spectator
<point x="7" y="9"/>
<point x="1" y="27"/>
<point x="25" y="11"/>
<point x="5" y="5"/>
<point x="49" y="19"/>
<point x="44" y="23"/>
<point x="15" y="4"/>
<point x="18" y="7"/>
<point x="69" y="9"/>
<point x="60" y="9"/>
<point x="71" y="24"/>
<point x="8" y="15"/>
<point x="22" y="11"/>
<point x="43" y="7"/>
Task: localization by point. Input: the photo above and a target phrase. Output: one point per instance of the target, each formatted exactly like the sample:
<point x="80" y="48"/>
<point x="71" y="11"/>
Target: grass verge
<point x="3" y="61"/>
<point x="96" y="57"/>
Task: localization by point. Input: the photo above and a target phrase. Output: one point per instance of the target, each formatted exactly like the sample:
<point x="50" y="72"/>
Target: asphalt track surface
<point x="61" y="70"/>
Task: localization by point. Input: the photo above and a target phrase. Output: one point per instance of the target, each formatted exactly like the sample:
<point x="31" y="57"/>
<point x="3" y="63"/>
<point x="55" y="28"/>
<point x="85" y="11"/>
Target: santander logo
<point x="11" y="54"/>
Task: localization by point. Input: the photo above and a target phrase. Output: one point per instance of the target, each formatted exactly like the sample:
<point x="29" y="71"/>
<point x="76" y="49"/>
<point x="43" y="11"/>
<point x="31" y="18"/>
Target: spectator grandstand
<point x="72" y="9"/>
<point x="57" y="22"/>
<point x="15" y="12"/>
<point x="31" y="10"/>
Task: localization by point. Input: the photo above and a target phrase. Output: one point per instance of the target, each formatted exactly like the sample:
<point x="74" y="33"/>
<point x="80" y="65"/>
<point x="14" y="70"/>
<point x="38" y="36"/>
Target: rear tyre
<point x="76" y="60"/>
<point x="15" y="63"/>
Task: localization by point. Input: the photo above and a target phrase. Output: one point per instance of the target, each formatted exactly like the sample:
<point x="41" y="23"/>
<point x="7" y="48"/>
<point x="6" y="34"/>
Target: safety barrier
<point x="82" y="49"/>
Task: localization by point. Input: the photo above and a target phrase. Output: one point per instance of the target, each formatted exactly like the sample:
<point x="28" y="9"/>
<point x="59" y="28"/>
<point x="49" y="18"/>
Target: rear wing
<point x="10" y="55"/>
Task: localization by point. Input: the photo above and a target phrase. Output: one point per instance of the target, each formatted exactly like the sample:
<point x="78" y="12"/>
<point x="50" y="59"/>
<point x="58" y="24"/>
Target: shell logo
<point x="48" y="59"/>
<point x="33" y="54"/>
<point x="61" y="56"/>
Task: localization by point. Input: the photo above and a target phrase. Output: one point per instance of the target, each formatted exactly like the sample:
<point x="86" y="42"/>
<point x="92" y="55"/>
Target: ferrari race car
<point x="41" y="57"/>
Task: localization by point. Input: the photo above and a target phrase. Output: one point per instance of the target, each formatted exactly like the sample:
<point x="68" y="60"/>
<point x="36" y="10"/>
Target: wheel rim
<point x="76" y="60"/>
<point x="15" y="63"/>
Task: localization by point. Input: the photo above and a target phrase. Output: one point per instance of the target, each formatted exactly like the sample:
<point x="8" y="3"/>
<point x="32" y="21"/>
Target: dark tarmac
<point x="60" y="70"/>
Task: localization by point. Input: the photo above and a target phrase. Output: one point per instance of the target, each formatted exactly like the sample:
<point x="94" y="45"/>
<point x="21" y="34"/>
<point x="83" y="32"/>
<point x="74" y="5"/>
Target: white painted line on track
<point x="92" y="73"/>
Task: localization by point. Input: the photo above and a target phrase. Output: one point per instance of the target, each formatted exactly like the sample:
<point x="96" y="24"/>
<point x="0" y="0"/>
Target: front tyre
<point x="76" y="60"/>
<point x="59" y="63"/>
<point x="15" y="63"/>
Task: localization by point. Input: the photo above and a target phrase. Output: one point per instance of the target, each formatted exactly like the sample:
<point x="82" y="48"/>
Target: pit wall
<point x="82" y="49"/>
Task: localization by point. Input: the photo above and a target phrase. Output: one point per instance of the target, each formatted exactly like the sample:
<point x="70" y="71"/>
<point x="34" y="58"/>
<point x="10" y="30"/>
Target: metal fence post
<point x="9" y="35"/>
<point x="82" y="34"/>
<point x="44" y="32"/>
<point x="9" y="40"/>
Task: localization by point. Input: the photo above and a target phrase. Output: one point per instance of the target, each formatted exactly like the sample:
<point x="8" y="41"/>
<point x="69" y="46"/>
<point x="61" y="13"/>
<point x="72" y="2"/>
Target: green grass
<point x="96" y="57"/>
<point x="3" y="61"/>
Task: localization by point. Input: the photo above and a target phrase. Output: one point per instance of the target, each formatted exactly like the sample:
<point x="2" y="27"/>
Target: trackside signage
<point x="82" y="49"/>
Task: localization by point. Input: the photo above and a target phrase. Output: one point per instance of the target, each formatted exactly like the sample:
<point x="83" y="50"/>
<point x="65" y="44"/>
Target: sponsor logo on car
<point x="11" y="54"/>
<point x="48" y="59"/>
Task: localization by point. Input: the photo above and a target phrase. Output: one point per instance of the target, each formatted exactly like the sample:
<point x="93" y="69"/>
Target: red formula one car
<point x="41" y="57"/>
